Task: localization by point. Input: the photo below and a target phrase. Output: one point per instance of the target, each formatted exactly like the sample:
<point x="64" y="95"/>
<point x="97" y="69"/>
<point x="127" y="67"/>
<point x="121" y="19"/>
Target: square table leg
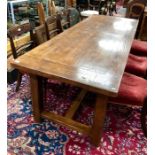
<point x="37" y="96"/>
<point x="98" y="122"/>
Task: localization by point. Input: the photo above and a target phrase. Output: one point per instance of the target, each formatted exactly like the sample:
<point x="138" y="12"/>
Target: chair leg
<point x="143" y="118"/>
<point x="19" y="79"/>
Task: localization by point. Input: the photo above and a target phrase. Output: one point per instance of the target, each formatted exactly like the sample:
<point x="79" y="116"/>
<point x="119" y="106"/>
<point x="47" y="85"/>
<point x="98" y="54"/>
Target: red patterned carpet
<point x="122" y="134"/>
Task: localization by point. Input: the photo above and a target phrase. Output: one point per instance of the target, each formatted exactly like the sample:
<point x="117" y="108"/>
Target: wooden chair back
<point x="135" y="10"/>
<point x="51" y="7"/>
<point x="65" y="17"/>
<point x="70" y="3"/>
<point x="41" y="13"/>
<point x="40" y="34"/>
<point x="17" y="31"/>
<point x="53" y="26"/>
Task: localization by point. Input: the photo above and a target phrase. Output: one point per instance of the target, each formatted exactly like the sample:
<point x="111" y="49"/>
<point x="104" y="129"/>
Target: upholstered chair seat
<point x="136" y="65"/>
<point x="139" y="48"/>
<point x="133" y="91"/>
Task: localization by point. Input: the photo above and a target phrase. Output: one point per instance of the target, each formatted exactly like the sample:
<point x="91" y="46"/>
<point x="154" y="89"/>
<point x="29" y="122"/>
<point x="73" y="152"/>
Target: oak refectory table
<point x="91" y="55"/>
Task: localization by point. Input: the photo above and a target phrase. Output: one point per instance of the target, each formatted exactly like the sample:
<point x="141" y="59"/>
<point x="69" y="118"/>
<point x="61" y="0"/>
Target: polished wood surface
<point x="92" y="54"/>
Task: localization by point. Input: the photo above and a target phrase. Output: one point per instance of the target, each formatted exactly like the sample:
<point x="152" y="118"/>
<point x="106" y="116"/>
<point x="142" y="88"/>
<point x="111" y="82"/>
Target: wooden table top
<point x="91" y="54"/>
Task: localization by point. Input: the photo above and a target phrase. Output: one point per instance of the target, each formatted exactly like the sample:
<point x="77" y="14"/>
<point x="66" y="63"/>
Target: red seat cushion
<point x="136" y="65"/>
<point x="132" y="90"/>
<point x="139" y="48"/>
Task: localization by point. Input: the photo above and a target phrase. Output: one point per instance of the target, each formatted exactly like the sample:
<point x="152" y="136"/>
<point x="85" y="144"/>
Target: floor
<point x="122" y="134"/>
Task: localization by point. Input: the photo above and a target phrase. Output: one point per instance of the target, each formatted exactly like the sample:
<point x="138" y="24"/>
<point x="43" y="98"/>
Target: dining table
<point x="91" y="55"/>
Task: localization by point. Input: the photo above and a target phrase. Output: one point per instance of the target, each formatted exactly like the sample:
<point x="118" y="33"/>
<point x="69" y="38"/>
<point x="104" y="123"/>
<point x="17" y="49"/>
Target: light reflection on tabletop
<point x="122" y="25"/>
<point x="102" y="78"/>
<point x="111" y="45"/>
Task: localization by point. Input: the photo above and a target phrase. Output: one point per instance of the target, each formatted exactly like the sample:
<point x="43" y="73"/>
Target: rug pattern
<point x="122" y="134"/>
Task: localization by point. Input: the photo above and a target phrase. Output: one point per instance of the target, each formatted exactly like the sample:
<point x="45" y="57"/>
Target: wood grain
<point x="67" y="122"/>
<point x="34" y="81"/>
<point x="18" y="42"/>
<point x="100" y="113"/>
<point x="70" y="113"/>
<point x="40" y="34"/>
<point x="91" y="54"/>
<point x="41" y="13"/>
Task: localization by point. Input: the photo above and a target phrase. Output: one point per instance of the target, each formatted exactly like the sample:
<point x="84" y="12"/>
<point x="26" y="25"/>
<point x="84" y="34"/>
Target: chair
<point x="53" y="26"/>
<point x="17" y="51"/>
<point x="70" y="3"/>
<point x="133" y="91"/>
<point x="51" y="7"/>
<point x="139" y="48"/>
<point x="65" y="18"/>
<point x="135" y="9"/>
<point x="33" y="14"/>
<point x="40" y="34"/>
<point x="73" y="16"/>
<point x="64" y="14"/>
<point x="137" y="65"/>
<point x="41" y="13"/>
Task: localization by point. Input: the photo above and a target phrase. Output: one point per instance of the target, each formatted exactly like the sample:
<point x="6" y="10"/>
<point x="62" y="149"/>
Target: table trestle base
<point x="94" y="131"/>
